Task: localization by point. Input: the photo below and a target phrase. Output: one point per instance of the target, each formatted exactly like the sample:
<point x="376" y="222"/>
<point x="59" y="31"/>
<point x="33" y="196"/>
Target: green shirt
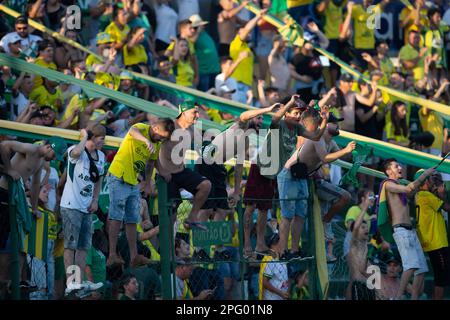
<point x="207" y="56"/>
<point x="96" y="260"/>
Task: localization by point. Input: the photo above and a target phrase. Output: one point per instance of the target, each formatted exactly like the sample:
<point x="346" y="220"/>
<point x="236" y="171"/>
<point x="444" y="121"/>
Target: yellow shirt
<point x="41" y="96"/>
<point x="133" y="155"/>
<point x="184" y="73"/>
<point x="91" y="60"/>
<point x="40" y="62"/>
<point x="191" y="46"/>
<point x="435" y="45"/>
<point x="333" y="19"/>
<point x="353" y="214"/>
<point x="431" y="228"/>
<point x="76" y="102"/>
<point x="244" y="71"/>
<point x="135" y="55"/>
<point x="116" y="34"/>
<point x="433" y="123"/>
<point x="407" y="53"/>
<point x="297" y="3"/>
<point x="364" y="37"/>
<point x="411" y="26"/>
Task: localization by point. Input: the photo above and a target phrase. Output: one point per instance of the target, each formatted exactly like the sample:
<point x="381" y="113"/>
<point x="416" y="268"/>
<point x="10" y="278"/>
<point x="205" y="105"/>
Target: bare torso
<point x="26" y="165"/>
<point x="398" y="211"/>
<point x="357" y="260"/>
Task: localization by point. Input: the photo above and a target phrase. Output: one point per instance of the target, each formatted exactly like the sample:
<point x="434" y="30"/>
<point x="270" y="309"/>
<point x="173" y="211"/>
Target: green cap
<point x="185" y="106"/>
<point x="96" y="222"/>
<point x="59" y="146"/>
<point x="119" y="109"/>
<point x="418" y="174"/>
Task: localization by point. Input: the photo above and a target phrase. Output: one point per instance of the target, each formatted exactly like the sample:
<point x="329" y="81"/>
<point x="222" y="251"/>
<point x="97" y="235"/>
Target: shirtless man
<point x="175" y="173"/>
<point x="28" y="161"/>
<point x="413" y="258"/>
<point x="357" y="257"/>
<point x="390" y="281"/>
<point x="231" y="143"/>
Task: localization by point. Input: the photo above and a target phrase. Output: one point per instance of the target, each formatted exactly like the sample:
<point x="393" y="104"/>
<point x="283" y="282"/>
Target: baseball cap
<point x="197" y="21"/>
<point x="14" y="38"/>
<point x="126" y="75"/>
<point x="119" y="109"/>
<point x="226" y="89"/>
<point x="104" y="37"/>
<point x="333" y="119"/>
<point x="59" y="146"/>
<point x="346" y="77"/>
<point x="96" y="222"/>
<point x="185" y="106"/>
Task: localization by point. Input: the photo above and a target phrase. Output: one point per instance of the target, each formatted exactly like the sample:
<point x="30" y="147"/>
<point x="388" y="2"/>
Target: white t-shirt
<point x="278" y="277"/>
<point x="25" y="42"/>
<point x="53" y="180"/>
<point x="79" y="189"/>
<point x="19" y="104"/>
<point x="186" y="8"/>
<point x="231" y="83"/>
<point x="166" y="20"/>
<point x="121" y="128"/>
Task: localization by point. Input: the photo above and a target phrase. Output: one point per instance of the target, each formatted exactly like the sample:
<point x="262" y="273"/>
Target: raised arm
<point x="252" y="24"/>
<point x="234" y="65"/>
<point x="411" y="187"/>
<point x="347" y="22"/>
<point x="250" y="114"/>
<point x="79" y="148"/>
<point x="284" y="108"/>
<point x="360" y="219"/>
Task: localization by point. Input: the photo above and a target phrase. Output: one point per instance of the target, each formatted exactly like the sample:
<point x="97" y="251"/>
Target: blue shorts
<point x="77" y="228"/>
<point x="124" y="201"/>
<point x="264" y="46"/>
<point x="289" y="188"/>
<point x="230" y="269"/>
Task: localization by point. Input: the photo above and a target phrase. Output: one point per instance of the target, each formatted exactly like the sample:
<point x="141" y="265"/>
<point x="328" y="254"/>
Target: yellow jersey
<point x="334" y="17"/>
<point x="244" y="71"/>
<point x="364" y="37"/>
<point x="433" y="123"/>
<point x="135" y="55"/>
<point x="431" y="228"/>
<point x="41" y="96"/>
<point x="40" y="62"/>
<point x="117" y="34"/>
<point x="133" y="155"/>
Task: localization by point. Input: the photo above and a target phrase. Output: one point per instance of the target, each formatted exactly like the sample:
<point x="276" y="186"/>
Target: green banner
<point x="219" y="233"/>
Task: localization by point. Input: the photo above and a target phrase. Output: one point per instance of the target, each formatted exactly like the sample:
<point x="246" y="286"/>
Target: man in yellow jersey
<point x="432" y="230"/>
<point x="243" y="73"/>
<point x="118" y="29"/>
<point x="412" y="56"/>
<point x="137" y="153"/>
<point x="364" y="25"/>
<point x="45" y="59"/>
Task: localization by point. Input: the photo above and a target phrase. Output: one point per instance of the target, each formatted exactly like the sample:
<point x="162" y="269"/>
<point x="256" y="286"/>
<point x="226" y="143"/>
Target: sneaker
<point x="139" y="260"/>
<point x="301" y="255"/>
<point x="91" y="286"/>
<point x="72" y="287"/>
<point x="201" y="256"/>
<point x="224" y="255"/>
<point x="286" y="256"/>
<point x="26" y="286"/>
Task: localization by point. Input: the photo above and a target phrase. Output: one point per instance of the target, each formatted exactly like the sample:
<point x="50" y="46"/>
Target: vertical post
<point x="312" y="243"/>
<point x="14" y="234"/>
<point x="241" y="248"/>
<point x="164" y="224"/>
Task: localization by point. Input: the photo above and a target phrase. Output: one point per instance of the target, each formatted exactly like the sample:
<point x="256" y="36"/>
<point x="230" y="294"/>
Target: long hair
<point x="188" y="54"/>
<point x="400" y="126"/>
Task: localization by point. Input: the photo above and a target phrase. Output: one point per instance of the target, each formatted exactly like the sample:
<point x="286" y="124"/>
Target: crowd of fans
<point x="239" y="56"/>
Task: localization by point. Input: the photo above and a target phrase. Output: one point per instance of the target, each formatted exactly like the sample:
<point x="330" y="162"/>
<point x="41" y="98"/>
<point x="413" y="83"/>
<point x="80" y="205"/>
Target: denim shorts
<point x="124" y="201"/>
<point x="230" y="269"/>
<point x="290" y="188"/>
<point x="410" y="250"/>
<point x="77" y="228"/>
<point x="264" y="46"/>
<point x="241" y="93"/>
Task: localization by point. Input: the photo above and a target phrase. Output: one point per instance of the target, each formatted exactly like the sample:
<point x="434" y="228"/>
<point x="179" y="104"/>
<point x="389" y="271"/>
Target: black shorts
<point x="217" y="175"/>
<point x="4" y="218"/>
<point x="186" y="179"/>
<point x="361" y="292"/>
<point x="440" y="262"/>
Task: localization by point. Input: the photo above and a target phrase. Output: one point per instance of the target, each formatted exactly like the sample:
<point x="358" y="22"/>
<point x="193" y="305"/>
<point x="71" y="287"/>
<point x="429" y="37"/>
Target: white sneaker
<point x="72" y="286"/>
<point x="91" y="286"/>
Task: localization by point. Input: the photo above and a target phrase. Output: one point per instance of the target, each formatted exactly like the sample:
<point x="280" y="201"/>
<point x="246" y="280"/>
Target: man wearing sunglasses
<point x="27" y="41"/>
